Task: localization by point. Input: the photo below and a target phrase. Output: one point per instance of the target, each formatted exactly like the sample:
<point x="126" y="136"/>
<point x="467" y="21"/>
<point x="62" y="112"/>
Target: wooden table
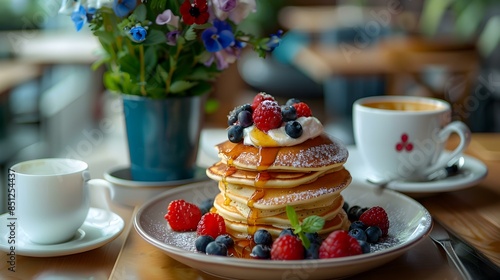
<point x="471" y="213"/>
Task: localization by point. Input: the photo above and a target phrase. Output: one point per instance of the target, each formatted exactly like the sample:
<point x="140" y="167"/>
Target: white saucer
<point x="472" y="172"/>
<point x="100" y="227"/>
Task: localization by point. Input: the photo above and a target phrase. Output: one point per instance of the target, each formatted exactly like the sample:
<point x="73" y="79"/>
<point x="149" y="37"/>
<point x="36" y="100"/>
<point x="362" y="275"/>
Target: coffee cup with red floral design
<point x="403" y="137"/>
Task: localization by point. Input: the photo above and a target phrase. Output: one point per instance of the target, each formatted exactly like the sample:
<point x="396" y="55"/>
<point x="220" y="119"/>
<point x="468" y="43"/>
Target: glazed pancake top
<point x="262" y="179"/>
<point x="320" y="153"/>
<point x="328" y="185"/>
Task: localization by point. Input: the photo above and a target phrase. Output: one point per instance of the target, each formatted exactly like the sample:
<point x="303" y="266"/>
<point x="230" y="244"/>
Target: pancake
<point x="263" y="179"/>
<point x="318" y="154"/>
<point x="325" y="187"/>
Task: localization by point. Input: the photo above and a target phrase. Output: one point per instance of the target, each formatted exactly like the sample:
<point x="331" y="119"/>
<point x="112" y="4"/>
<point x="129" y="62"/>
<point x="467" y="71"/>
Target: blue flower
<point x="138" y="34"/>
<point x="274" y="41"/>
<point x="123" y="8"/>
<point x="218" y="37"/>
<point x="79" y="18"/>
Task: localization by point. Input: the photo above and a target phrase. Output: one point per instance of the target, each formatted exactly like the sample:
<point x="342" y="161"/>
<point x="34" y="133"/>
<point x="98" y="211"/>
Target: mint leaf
<point x="292" y="216"/>
<point x="313" y="224"/>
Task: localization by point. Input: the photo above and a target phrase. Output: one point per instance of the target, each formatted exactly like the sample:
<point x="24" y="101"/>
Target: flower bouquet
<point x="162" y="48"/>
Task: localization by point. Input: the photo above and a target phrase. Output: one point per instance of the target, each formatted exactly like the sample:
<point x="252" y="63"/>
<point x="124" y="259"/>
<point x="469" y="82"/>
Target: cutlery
<point x="441" y="237"/>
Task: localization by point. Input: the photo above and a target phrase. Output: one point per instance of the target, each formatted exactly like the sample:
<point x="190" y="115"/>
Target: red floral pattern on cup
<point x="404" y="144"/>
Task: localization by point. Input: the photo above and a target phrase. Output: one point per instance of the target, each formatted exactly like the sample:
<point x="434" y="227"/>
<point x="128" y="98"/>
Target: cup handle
<point x="100" y="191"/>
<point x="465" y="136"/>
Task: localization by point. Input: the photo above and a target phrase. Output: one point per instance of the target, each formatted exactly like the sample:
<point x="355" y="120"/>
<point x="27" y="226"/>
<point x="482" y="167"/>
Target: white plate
<point x="410" y="223"/>
<point x="472" y="172"/>
<point x="100" y="227"/>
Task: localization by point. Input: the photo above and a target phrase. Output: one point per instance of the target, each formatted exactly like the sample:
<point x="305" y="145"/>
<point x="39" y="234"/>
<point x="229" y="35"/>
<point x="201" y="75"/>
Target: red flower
<point x="197" y="12"/>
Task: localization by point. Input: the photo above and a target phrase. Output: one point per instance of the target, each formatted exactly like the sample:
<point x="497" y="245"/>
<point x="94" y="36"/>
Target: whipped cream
<point x="311" y="127"/>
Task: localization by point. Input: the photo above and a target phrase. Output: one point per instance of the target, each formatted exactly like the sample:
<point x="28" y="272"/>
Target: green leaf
<point x="201" y="88"/>
<point x="292" y="216"/>
<point x="490" y="37"/>
<point x="140" y="12"/>
<point x="154" y="37"/>
<point x="129" y="64"/>
<point x="105" y="38"/>
<point x="312" y="224"/>
<point x="150" y="58"/>
<point x="190" y="34"/>
<point x="202" y="26"/>
<point x="181" y="86"/>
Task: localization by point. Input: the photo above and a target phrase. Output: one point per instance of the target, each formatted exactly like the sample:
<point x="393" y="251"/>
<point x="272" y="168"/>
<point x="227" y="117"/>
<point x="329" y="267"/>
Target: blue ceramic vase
<point x="163" y="136"/>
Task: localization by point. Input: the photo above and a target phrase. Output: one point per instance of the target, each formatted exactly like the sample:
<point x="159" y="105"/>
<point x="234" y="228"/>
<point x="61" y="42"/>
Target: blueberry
<point x="235" y="133"/>
<point x="263" y="237"/>
<point x="226" y="240"/>
<point x="292" y="101"/>
<point x="357" y="233"/>
<point x="261" y="251"/>
<point x="345" y="206"/>
<point x="357" y="224"/>
<point x="233" y="115"/>
<point x="373" y="234"/>
<point x="206" y="205"/>
<point x="365" y="247"/>
<point x="287" y="231"/>
<point x="314" y="237"/>
<point x="245" y="118"/>
<point x="313" y="252"/>
<point x="202" y="241"/>
<point x="289" y="113"/>
<point x="293" y="129"/>
<point x="354" y="213"/>
<point x="216" y="248"/>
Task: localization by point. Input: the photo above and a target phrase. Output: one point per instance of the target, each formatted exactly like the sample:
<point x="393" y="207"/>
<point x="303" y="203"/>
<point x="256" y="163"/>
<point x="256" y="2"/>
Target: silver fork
<point x="441" y="237"/>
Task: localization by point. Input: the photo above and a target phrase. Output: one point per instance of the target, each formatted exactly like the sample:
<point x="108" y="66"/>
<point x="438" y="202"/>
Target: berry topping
<point x="289" y="113"/>
<point x="263" y="237"/>
<point x="355" y="212"/>
<point x="313" y="252"/>
<point x="267" y="115"/>
<point x="182" y="215"/>
<point x="259" y="98"/>
<point x="226" y="240"/>
<point x="260" y="251"/>
<point x="376" y="216"/>
<point x="357" y="224"/>
<point x="235" y="133"/>
<point x="365" y="247"/>
<point x="202" y="241"/>
<point x="293" y="129"/>
<point x="286" y="231"/>
<point x="357" y="233"/>
<point x="232" y="118"/>
<point x="287" y="247"/>
<point x="211" y="224"/>
<point x="216" y="248"/>
<point x="339" y="244"/>
<point x="245" y="118"/>
<point x="303" y="109"/>
<point x="292" y="101"/>
<point x="206" y="205"/>
<point x="373" y="234"/>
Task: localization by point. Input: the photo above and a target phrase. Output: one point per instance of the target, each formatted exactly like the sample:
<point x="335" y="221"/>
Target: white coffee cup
<point x="403" y="137"/>
<point x="52" y="198"/>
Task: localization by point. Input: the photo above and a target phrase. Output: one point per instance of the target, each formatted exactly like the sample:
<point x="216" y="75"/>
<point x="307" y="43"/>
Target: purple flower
<point x="172" y="37"/>
<point x="79" y="17"/>
<point x="167" y="17"/>
<point x="123" y="8"/>
<point x="218" y="37"/>
<point x="242" y="8"/>
<point x="225" y="5"/>
<point x="138" y="34"/>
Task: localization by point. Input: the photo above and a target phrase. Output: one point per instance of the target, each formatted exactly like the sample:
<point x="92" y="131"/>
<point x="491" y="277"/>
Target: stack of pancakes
<point x="257" y="183"/>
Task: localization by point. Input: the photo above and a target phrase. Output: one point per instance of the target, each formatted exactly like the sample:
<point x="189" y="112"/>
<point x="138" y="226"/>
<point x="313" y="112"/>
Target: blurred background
<point x="333" y="53"/>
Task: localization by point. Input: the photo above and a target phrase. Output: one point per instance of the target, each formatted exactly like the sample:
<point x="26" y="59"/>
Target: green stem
<point x="143" y="80"/>
<point x="172" y="68"/>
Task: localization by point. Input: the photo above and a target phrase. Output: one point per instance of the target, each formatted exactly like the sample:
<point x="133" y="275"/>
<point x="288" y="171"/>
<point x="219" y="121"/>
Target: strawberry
<point x="376" y="216"/>
<point x="339" y="244"/>
<point x="302" y="109"/>
<point x="287" y="247"/>
<point x="261" y="96"/>
<point x="182" y="215"/>
<point x="267" y="115"/>
<point x="211" y="224"/>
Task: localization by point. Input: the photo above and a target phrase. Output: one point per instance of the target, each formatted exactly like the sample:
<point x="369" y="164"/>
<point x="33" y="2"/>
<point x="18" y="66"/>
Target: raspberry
<point x="211" y="224"/>
<point x="339" y="244"/>
<point x="376" y="216"/>
<point x="303" y="109"/>
<point x="267" y="115"/>
<point x="182" y="215"/>
<point x="287" y="247"/>
<point x="259" y="98"/>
